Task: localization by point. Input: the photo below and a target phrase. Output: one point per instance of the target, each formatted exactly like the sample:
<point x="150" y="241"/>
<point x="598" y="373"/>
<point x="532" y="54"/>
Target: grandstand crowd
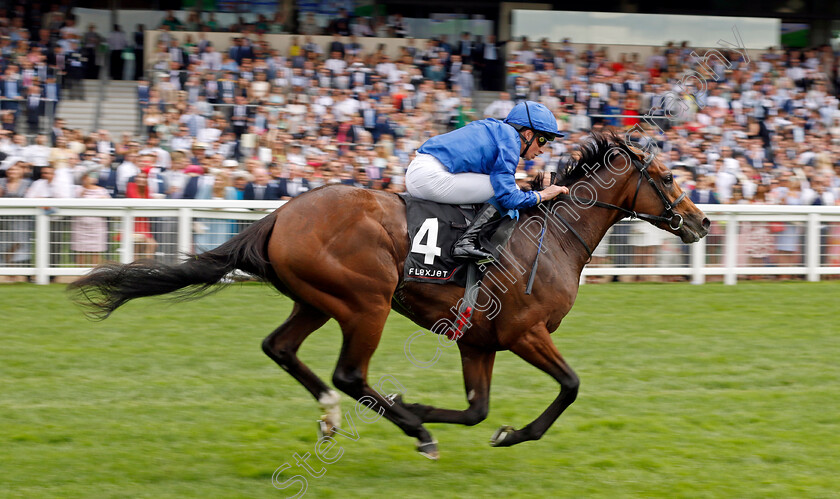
<point x="246" y="121"/>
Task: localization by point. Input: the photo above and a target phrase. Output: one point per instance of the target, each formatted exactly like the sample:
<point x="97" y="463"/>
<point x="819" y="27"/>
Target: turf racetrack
<point x="686" y="391"/>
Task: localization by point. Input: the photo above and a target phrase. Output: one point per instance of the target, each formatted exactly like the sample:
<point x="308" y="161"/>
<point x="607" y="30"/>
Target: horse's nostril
<point x="706" y="223"/>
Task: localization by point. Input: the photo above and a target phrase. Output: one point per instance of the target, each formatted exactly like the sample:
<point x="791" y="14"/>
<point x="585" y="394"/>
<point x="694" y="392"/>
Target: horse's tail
<point x="110" y="285"/>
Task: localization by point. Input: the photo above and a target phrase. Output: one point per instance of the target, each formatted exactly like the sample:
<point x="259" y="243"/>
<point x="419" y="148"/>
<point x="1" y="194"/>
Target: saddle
<point x="433" y="228"/>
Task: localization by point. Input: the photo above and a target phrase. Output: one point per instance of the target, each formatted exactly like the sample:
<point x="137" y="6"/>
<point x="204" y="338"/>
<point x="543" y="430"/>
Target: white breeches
<point x="427" y="178"/>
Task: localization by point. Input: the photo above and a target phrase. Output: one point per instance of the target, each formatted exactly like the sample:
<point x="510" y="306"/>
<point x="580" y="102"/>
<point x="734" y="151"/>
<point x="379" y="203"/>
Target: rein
<point x="668" y="215"/>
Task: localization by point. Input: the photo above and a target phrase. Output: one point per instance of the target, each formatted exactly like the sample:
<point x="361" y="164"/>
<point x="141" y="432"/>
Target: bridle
<point x="673" y="219"/>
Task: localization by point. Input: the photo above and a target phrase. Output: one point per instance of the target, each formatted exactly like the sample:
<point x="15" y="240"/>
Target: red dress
<point x="141" y="224"/>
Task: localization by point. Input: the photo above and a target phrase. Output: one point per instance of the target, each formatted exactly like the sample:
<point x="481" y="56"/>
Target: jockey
<point x="477" y="163"/>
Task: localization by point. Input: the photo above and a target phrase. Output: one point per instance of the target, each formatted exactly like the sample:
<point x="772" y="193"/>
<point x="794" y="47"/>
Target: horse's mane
<point x="593" y="152"/>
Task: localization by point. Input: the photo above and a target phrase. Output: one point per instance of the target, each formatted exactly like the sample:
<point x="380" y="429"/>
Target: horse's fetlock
<point x="533" y="434"/>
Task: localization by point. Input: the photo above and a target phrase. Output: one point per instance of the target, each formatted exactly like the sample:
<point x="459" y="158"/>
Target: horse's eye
<point x="668" y="179"/>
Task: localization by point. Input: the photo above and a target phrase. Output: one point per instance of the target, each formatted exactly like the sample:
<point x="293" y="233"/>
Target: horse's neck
<point x="590" y="222"/>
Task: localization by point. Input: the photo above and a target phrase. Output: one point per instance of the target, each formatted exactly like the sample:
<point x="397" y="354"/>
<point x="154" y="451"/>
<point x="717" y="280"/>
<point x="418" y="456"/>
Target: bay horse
<point x="338" y="252"/>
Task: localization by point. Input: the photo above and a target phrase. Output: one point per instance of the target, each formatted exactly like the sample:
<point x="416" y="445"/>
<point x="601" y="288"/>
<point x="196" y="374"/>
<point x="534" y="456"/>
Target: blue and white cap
<point x="536" y="116"/>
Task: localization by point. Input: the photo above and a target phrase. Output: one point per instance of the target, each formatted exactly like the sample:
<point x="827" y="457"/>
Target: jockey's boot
<point x="467" y="247"/>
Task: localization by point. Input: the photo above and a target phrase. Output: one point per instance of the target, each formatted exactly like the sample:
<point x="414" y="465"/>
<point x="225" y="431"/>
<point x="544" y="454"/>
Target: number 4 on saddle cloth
<point x="433" y="229"/>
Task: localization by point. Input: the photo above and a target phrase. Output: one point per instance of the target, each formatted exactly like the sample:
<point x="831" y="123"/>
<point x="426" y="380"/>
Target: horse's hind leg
<point x="478" y="371"/>
<point x="361" y="337"/>
<point x="282" y="346"/>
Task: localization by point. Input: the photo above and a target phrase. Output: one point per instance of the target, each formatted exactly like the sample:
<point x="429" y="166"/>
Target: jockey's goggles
<point x="542" y="140"/>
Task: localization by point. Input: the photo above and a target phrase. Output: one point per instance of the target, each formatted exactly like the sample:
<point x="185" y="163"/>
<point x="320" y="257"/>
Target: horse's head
<point x="657" y="198"/>
<point x="608" y="173"/>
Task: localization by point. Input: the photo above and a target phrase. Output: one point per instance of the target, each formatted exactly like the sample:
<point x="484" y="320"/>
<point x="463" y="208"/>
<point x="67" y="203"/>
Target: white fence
<point x="74" y="234"/>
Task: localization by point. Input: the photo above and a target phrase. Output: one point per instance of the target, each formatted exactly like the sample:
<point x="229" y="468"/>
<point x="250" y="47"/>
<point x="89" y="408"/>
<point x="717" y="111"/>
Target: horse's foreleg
<point x="361" y="337"/>
<point x="282" y="346"/>
<point x="536" y="348"/>
<point x="478" y="372"/>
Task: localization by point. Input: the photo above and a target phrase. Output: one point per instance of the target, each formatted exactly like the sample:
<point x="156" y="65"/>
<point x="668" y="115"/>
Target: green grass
<point x="687" y="391"/>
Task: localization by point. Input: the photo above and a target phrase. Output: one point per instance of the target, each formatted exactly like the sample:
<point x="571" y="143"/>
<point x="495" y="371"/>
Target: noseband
<point x="673" y="219"/>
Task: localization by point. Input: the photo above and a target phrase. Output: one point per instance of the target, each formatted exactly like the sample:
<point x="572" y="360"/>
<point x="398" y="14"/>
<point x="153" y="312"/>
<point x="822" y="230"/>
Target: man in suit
<point x="240" y="116"/>
<point x="357" y="129"/>
<point x="35" y="108"/>
<point x="211" y="88"/>
<point x="193" y="88"/>
<point x="465" y="48"/>
<point x="56" y="131"/>
<point x="445" y="49"/>
<point x="211" y="59"/>
<point x="247" y="49"/>
<point x="293" y="186"/>
<point x="367" y="108"/>
<point x="455" y="66"/>
<point x="45" y="43"/>
<point x="176" y="53"/>
<point x="108" y="174"/>
<point x="490" y="57"/>
<point x="194" y="121"/>
<point x="360" y="75"/>
<point x="465" y="81"/>
<point x="383" y="126"/>
<point x="138" y="37"/>
<point x="90" y="43"/>
<point x="353" y="47"/>
<point x="227" y="88"/>
<point x="117" y="43"/>
<point x="41" y="68"/>
<point x="11" y="90"/>
<point x="336" y="45"/>
<point x="75" y="73"/>
<point x="237" y="51"/>
<point x="57" y="60"/>
<point x="263" y="187"/>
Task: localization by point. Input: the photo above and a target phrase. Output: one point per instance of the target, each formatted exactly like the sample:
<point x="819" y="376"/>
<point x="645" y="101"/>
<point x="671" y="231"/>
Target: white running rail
<point x="37" y="238"/>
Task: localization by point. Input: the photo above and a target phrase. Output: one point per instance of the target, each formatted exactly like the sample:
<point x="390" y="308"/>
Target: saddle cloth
<point x="433" y="229"/>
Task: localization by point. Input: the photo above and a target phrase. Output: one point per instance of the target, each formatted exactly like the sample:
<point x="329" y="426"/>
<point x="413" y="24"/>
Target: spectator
<point x="117" y="43"/>
<point x="14" y="232"/>
<point x="90" y="44"/>
<point x="499" y="108"/>
<point x="144" y="242"/>
<point x="262" y="187"/>
<point x="89" y="234"/>
<point x="42" y="188"/>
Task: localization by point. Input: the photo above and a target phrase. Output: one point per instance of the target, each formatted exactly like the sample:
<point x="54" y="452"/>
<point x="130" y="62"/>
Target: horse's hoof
<point x="325" y="430"/>
<point x="501" y="434"/>
<point x="429" y="450"/>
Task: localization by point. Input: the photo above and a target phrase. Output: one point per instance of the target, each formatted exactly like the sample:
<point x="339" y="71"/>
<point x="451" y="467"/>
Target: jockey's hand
<point x="553" y="191"/>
